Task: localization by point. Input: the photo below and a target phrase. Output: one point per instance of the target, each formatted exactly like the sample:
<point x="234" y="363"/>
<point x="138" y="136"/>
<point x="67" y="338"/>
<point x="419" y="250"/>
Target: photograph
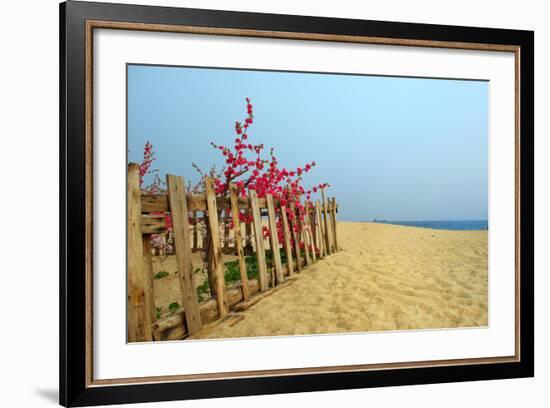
<point x="256" y="203"/>
<point x="284" y="203"/>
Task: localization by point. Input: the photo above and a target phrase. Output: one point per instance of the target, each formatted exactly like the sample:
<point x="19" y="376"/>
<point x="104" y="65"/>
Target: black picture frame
<point x="75" y="386"/>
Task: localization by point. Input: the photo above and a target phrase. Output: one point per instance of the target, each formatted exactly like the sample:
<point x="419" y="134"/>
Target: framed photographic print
<point x="256" y="203"/>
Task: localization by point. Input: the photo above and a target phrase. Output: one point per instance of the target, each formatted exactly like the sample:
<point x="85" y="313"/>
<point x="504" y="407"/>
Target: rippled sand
<point x="386" y="277"/>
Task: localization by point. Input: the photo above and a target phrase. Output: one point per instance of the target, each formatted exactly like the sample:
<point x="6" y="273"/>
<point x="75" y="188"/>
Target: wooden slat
<point x="204" y="245"/>
<point x="210" y="261"/>
<point x="274" y="240"/>
<point x="334" y="225"/>
<point x="154" y="203"/>
<point x="330" y="227"/>
<point x="217" y="261"/>
<point x="259" y="240"/>
<point x="233" y="194"/>
<point x="226" y="233"/>
<point x="153" y="224"/>
<point x="195" y="244"/>
<point x="139" y="302"/>
<point x="173" y="326"/>
<point x="248" y="232"/>
<point x="310" y="238"/>
<point x="303" y="234"/>
<point x="313" y="226"/>
<point x="326" y="225"/>
<point x="195" y="202"/>
<point x="182" y="245"/>
<point x="312" y="233"/>
<point x="296" y="237"/>
<point x="319" y="226"/>
<point x="239" y="307"/>
<point x="286" y="243"/>
<point x="148" y="265"/>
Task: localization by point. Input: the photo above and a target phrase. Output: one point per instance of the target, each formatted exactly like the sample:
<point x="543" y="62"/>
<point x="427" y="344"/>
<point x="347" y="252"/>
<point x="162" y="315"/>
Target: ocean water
<point x="455" y="225"/>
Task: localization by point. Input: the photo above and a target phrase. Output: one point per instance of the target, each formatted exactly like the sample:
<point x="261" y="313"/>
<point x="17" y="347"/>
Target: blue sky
<point x="391" y="148"/>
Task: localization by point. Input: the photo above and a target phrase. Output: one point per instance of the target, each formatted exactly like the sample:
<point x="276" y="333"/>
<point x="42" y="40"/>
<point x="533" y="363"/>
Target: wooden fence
<point x="146" y="216"/>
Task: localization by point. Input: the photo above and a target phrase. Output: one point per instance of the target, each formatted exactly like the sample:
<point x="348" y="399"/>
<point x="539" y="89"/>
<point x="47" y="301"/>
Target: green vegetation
<point x="173" y="307"/>
<point x="203" y="290"/>
<point x="233" y="274"/>
<point x="161" y="274"/>
<point x="159" y="312"/>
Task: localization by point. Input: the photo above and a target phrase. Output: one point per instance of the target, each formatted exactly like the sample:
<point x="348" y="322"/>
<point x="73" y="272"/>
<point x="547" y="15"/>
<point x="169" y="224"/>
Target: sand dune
<point x="386" y="277"/>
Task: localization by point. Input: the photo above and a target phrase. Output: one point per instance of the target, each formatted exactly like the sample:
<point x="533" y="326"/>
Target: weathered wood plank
<point x="303" y="234"/>
<point x="334" y="225"/>
<point x="173" y="326"/>
<point x="210" y="266"/>
<point x="233" y="195"/>
<point x="239" y="307"/>
<point x="182" y="245"/>
<point x="153" y="224"/>
<point x="259" y="240"/>
<point x="274" y="240"/>
<point x="228" y="321"/>
<point x="310" y="239"/>
<point x="226" y="232"/>
<point x="217" y="261"/>
<point x="195" y="244"/>
<point x="286" y="242"/>
<point x="319" y="225"/>
<point x="326" y="224"/>
<point x="148" y="265"/>
<point x="310" y="229"/>
<point x="154" y="203"/>
<point x="295" y="236"/>
<point x="248" y="233"/>
<point x="195" y="202"/>
<point x="313" y="226"/>
<point x="139" y="302"/>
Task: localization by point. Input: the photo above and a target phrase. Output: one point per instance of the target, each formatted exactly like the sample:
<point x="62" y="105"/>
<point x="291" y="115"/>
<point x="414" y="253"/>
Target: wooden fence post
<point x="139" y="303"/>
<point x="334" y="225"/>
<point x="326" y="223"/>
<point x="287" y="245"/>
<point x="296" y="237"/>
<point x="274" y="240"/>
<point x="260" y="251"/>
<point x="233" y="195"/>
<point x="311" y="246"/>
<point x="319" y="225"/>
<point x="204" y="236"/>
<point x="195" y="245"/>
<point x="226" y="233"/>
<point x="303" y="233"/>
<point x="210" y="266"/>
<point x="313" y="225"/>
<point x="248" y="234"/>
<point x="309" y="235"/>
<point x="182" y="244"/>
<point x="217" y="261"/>
<point x="148" y="265"/>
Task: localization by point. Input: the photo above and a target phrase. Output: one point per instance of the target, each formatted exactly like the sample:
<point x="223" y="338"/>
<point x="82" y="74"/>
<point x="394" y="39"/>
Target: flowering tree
<point x="158" y="241"/>
<point x="248" y="169"/>
<point x="145" y="169"/>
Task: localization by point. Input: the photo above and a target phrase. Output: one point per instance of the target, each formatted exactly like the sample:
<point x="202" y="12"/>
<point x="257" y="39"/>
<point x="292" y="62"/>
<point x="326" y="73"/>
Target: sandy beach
<point x="386" y="277"/>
